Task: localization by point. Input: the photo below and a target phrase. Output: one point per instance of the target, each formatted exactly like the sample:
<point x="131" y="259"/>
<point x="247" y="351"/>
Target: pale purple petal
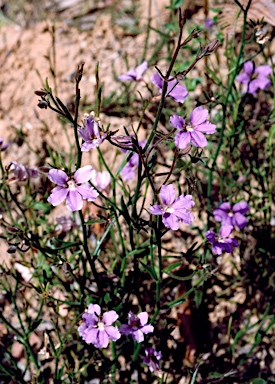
<point x="109" y="317"/>
<point x="182" y="139"/>
<point x="183" y="202"/>
<point x="177" y="122"/>
<point x="206" y="127"/>
<point x="185" y="216"/>
<point x="241" y="207"/>
<point x="156" y="210"/>
<point x="84" y="134"/>
<point x="239" y="220"/>
<point x="138" y="336"/>
<point x="113" y="333"/>
<point x="81" y="329"/>
<point x="248" y="68"/>
<point x="263" y="70"/>
<point x="220" y="215"/>
<point x="130" y="75"/>
<point x="179" y="93"/>
<point x="167" y="194"/>
<point x="140" y="69"/>
<point x="143" y="318"/>
<point x="74" y="201"/>
<point x="243" y="78"/>
<point x="225" y="206"/>
<point x="198" y="139"/>
<point x="147" y="329"/>
<point x="233" y="242"/>
<point x="94" y="308"/>
<point x="157" y="80"/>
<point x="102" y="340"/>
<point x="58" y="194"/>
<point x="83" y="174"/>
<point x="87" y="192"/>
<point x="170" y="221"/>
<point x="92" y="127"/>
<point x="91" y="335"/>
<point x="226" y="230"/>
<point x="58" y="177"/>
<point x="198" y="116"/>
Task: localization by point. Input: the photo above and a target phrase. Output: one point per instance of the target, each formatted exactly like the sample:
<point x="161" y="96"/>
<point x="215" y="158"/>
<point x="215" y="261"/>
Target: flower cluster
<point x="97" y="329"/>
<point x="228" y="218"/>
<point x="255" y="78"/>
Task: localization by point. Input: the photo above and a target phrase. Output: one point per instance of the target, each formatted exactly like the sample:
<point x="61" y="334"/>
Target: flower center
<point x="230" y="214"/>
<point x="168" y="209"/>
<point x="71" y="184"/>
<point x="189" y="128"/>
<point x="101" y="326"/>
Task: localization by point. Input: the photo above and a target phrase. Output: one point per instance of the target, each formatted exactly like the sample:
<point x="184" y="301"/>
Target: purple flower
<point x="255" y="78"/>
<point x="3" y="146"/>
<point x="22" y="173"/>
<point x="209" y="23"/>
<point x="73" y="189"/>
<point x="192" y="133"/>
<point x="234" y="216"/>
<point x="178" y="92"/>
<point x="152" y="359"/>
<point x="222" y="243"/>
<point x="129" y="171"/>
<point x="101" y="180"/>
<point x="137" y="326"/>
<point x="98" y="329"/>
<point x="135" y="74"/>
<point x="173" y="210"/>
<point x="91" y="135"/>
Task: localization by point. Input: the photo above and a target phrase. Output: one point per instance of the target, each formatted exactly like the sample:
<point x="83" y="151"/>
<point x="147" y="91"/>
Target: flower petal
<point x="239" y="220"/>
<point x="182" y="139"/>
<point x="138" y="336"/>
<point x="113" y="333"/>
<point x="87" y="192"/>
<point x="143" y="318"/>
<point x="198" y="139"/>
<point x="179" y="93"/>
<point x="210" y="235"/>
<point x="103" y="339"/>
<point x="94" y="308"/>
<point x="167" y="194"/>
<point x="58" y="177"/>
<point x="84" y="174"/>
<point x="198" y="116"/>
<point x="226" y="230"/>
<point x="171" y="221"/>
<point x="58" y="194"/>
<point x="74" y="201"/>
<point x="248" y="68"/>
<point x="157" y="80"/>
<point x="206" y="127"/>
<point x="147" y="329"/>
<point x="109" y="317"/>
<point x="177" y="122"/>
<point x="156" y="210"/>
<point x="91" y="335"/>
<point x="241" y="207"/>
<point x="140" y="69"/>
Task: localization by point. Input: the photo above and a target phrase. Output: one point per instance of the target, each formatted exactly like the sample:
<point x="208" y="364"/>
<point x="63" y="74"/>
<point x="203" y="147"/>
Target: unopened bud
<point x="41" y="93"/>
<point x="43" y="104"/>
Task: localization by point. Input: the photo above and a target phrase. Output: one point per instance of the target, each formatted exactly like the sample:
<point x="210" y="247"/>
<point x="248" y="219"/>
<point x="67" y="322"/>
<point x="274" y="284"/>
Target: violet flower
<point x="255" y="78"/>
<point x="137" y="326"/>
<point x="193" y="132"/>
<point x="178" y="92"/>
<point x="135" y="74"/>
<point x="101" y="180"/>
<point x="173" y="210"/>
<point x="3" y="146"/>
<point x="129" y="171"/>
<point x="91" y="135"/>
<point x="152" y="359"/>
<point x="234" y="216"/>
<point x="22" y="173"/>
<point x="98" y="329"/>
<point x="73" y="189"/>
<point x="222" y="243"/>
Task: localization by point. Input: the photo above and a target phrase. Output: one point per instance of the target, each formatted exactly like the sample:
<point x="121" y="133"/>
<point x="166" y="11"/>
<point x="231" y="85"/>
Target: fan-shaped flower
<point x="137" y="326"/>
<point x="91" y="135"/>
<point x="255" y="78"/>
<point x="193" y="132"/>
<point x="173" y="210"/>
<point x="98" y="329"/>
<point x="222" y="243"/>
<point x="73" y="189"/>
<point x="135" y="74"/>
<point x="234" y="216"/>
